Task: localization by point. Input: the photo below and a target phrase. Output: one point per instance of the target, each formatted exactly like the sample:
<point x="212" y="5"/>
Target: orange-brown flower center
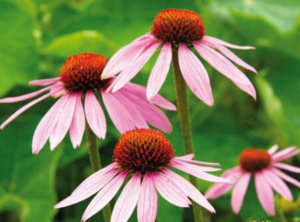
<point x="143" y="150"/>
<point x="82" y="72"/>
<point x="255" y="159"/>
<point x="175" y="25"/>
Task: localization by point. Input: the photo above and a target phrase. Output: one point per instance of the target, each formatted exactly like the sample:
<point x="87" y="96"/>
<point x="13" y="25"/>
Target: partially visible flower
<point x="263" y="165"/>
<point x="143" y="154"/>
<point x="179" y="30"/>
<point x="79" y="85"/>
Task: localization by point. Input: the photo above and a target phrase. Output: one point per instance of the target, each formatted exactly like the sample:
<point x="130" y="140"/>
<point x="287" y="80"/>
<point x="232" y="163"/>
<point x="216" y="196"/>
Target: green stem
<point x="185" y="123"/>
<point x="96" y="164"/>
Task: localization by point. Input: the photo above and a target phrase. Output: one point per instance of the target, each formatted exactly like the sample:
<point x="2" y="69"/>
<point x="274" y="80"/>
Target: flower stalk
<point x="185" y="123"/>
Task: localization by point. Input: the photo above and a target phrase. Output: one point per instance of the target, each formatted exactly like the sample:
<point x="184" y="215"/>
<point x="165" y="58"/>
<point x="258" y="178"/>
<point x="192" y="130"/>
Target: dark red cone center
<point x="255" y="159"/>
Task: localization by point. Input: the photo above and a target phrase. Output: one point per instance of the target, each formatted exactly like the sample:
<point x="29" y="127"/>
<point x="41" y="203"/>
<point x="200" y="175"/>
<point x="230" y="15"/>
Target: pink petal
<point x="285" y="177"/>
<point x="277" y="184"/>
<point x="186" y="157"/>
<point x="117" y="112"/>
<point x="219" y="189"/>
<point x="104" y="196"/>
<point x="44" y="82"/>
<point x="63" y="122"/>
<point x="273" y="149"/>
<point x="149" y="112"/>
<point x="129" y="106"/>
<point x="90" y="186"/>
<point x="125" y="56"/>
<point x="221" y="42"/>
<point x="160" y="70"/>
<point x="196" y="167"/>
<point x="288" y="167"/>
<point x="225" y="67"/>
<point x="128" y="199"/>
<point x="94" y="114"/>
<point x="24" y="97"/>
<point x="157" y="100"/>
<point x="147" y="203"/>
<point x="47" y="124"/>
<point x="195" y="74"/>
<point x="264" y="193"/>
<point x="230" y="55"/>
<point x="129" y="72"/>
<point x="281" y="155"/>
<point x="194" y="161"/>
<point x="289" y="155"/>
<point x="190" y="190"/>
<point x="77" y="126"/>
<point x="239" y="191"/>
<point x="199" y="173"/>
<point x="170" y="190"/>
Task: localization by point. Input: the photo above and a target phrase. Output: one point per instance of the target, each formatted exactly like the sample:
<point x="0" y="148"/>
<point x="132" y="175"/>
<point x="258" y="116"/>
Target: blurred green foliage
<point x="36" y="36"/>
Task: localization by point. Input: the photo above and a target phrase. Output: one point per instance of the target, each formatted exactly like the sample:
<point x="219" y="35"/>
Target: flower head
<point x="145" y="155"/>
<point x="80" y="86"/>
<point x="178" y="31"/>
<point x="263" y="166"/>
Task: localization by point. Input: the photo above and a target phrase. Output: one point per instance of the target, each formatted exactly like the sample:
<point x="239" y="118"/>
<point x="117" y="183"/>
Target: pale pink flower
<point x="263" y="166"/>
<point x="180" y="30"/>
<point x="146" y="155"/>
<point x="79" y="85"/>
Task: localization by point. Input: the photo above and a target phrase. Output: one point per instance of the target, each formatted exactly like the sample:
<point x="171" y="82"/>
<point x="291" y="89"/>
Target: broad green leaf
<point x="17" y="47"/>
<point x="26" y="180"/>
<point x="84" y="41"/>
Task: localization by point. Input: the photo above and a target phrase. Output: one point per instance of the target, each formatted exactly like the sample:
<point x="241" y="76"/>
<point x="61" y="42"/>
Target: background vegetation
<point x="36" y="36"/>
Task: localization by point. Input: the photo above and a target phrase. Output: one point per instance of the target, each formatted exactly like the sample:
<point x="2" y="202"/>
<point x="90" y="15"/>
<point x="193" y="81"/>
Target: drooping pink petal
<point x="47" y="124"/>
<point x="221" y="42"/>
<point x="277" y="184"/>
<point x="196" y="167"/>
<point x="273" y="149"/>
<point x="149" y="112"/>
<point x="190" y="190"/>
<point x="186" y="157"/>
<point x="77" y="126"/>
<point x="289" y="155"/>
<point x="157" y="100"/>
<point x="44" y="82"/>
<point x="239" y="191"/>
<point x="219" y="189"/>
<point x="281" y="155"/>
<point x="90" y="186"/>
<point x="285" y="177"/>
<point x="178" y="159"/>
<point x="230" y="55"/>
<point x="287" y="167"/>
<point x="147" y="202"/>
<point x="225" y="67"/>
<point x="94" y="114"/>
<point x="128" y="199"/>
<point x="104" y="196"/>
<point x="198" y="173"/>
<point x="117" y="112"/>
<point x="170" y="190"/>
<point x="63" y="122"/>
<point x="195" y="74"/>
<point x="159" y="71"/>
<point x="125" y="56"/>
<point x="129" y="72"/>
<point x="130" y="107"/>
<point x="24" y="97"/>
<point x="264" y="193"/>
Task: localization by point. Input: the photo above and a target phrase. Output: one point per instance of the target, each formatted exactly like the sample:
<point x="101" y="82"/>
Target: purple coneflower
<point x="181" y="30"/>
<point x="146" y="155"/>
<point x="263" y="165"/>
<point x="79" y="85"/>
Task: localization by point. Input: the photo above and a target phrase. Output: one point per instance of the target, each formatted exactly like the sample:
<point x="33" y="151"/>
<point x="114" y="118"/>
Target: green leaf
<point x="17" y="47"/>
<point x="26" y="180"/>
<point x="282" y="14"/>
<point x="83" y="41"/>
